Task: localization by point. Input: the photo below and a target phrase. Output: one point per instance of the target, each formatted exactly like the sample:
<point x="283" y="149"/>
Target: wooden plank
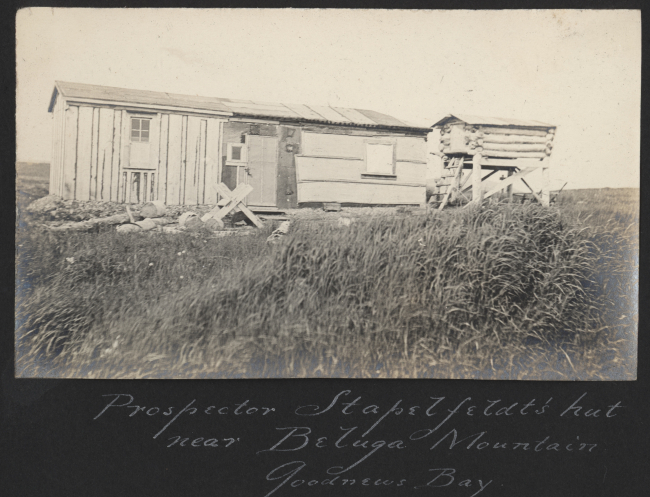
<point x="332" y="145"/>
<point x="515" y="139"/>
<point x="468" y="188"/>
<point x="125" y="157"/>
<point x="161" y="177"/>
<point x="60" y="117"/>
<point x="54" y="164"/>
<point x="70" y="152"/>
<point x="509" y="163"/>
<point x="234" y="198"/>
<point x="116" y="156"/>
<point x="192" y="157"/>
<point x="531" y="190"/>
<point x="503" y="130"/>
<point x="256" y="221"/>
<point x="104" y="153"/>
<point x="174" y="159"/>
<point x="202" y="160"/>
<point x="459" y="168"/>
<point x="515" y="155"/>
<point x="509" y="181"/>
<point x="514" y="147"/>
<point x="410" y="172"/>
<point x="411" y="149"/>
<point x="312" y="168"/>
<point x="546" y="183"/>
<point x="388" y="194"/>
<point x="154" y="154"/>
<point x="84" y="145"/>
<point x="94" y="157"/>
<point x="183" y="165"/>
<point x="477" y="175"/>
<point x="213" y="160"/>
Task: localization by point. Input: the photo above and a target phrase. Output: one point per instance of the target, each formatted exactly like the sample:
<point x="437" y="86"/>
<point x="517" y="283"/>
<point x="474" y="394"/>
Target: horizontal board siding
<point x="411" y="172"/>
<point x="323" y="169"/>
<point x="411" y="149"/>
<point x="330" y="145"/>
<point x="321" y="191"/>
<point x="317" y="168"/>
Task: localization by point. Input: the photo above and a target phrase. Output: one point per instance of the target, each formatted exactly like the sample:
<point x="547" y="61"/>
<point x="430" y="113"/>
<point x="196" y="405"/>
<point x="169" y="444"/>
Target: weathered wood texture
<point x="56" y="162"/>
<point x="290" y="144"/>
<point x="355" y="193"/>
<point x="337" y="165"/>
<point x="91" y="156"/>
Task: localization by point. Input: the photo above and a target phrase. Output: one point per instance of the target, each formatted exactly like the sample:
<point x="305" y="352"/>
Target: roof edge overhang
<point x="55" y="93"/>
<point x="155" y="107"/>
<point x="290" y="120"/>
<point x="450" y="117"/>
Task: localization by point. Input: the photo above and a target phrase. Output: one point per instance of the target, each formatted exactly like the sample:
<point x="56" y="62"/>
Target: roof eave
<point x="55" y="93"/>
<point x="333" y="123"/>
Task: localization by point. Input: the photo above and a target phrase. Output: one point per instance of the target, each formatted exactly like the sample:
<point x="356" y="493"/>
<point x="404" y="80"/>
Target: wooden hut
<point x="114" y="144"/>
<point x="475" y="145"/>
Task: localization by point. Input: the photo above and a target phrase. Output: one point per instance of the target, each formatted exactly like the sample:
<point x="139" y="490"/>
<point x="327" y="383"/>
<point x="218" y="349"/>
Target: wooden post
<point x="477" y="190"/>
<point x="546" y="194"/>
<point x="509" y="189"/>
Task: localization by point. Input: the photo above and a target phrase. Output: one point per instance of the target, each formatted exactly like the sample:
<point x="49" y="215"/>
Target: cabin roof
<point x="492" y="121"/>
<point x="293" y="112"/>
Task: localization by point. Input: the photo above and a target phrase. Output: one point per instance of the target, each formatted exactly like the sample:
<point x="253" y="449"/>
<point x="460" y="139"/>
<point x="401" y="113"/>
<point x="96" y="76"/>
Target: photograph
<point x="297" y="193"/>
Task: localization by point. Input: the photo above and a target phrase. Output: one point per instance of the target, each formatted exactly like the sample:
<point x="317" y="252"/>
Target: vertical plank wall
<point x="90" y="152"/>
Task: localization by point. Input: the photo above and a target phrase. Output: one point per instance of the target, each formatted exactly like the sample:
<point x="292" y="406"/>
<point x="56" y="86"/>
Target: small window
<point x="379" y="158"/>
<point x="236" y="152"/>
<point x="140" y="129"/>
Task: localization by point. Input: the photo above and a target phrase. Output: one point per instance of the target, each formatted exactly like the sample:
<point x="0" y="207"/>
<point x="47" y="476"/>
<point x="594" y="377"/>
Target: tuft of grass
<point x="499" y="291"/>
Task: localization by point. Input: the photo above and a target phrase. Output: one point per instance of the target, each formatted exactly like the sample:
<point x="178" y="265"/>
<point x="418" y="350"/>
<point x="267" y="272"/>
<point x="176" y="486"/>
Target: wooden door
<point x="262" y="170"/>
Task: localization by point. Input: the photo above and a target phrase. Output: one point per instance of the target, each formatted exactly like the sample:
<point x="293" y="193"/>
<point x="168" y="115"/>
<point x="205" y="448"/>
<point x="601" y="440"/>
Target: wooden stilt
<point x="477" y="190"/>
<point x="509" y="189"/>
<point x="546" y="194"/>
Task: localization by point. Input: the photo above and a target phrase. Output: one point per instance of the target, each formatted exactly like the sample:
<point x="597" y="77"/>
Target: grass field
<point x="504" y="291"/>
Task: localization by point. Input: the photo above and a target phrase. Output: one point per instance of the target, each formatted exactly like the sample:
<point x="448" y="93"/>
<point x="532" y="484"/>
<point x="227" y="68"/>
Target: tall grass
<point x="499" y="291"/>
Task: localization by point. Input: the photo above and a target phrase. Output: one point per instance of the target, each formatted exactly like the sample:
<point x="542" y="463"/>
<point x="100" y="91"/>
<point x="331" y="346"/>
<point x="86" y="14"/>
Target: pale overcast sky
<point x="579" y="70"/>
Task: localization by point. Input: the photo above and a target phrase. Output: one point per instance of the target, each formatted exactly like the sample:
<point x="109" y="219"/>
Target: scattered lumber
<point x="235" y="201"/>
<point x="91" y="223"/>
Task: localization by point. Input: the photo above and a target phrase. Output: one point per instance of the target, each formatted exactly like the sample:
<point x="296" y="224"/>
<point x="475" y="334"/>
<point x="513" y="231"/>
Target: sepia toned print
<point x="404" y="195"/>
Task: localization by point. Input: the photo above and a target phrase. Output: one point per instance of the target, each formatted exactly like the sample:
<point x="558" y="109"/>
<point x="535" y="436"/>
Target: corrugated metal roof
<point x="299" y="112"/>
<point x="108" y="93"/>
<point x="493" y="121"/>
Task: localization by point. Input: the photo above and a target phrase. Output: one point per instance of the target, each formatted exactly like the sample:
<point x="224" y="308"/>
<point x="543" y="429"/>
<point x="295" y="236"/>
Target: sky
<point x="578" y="70"/>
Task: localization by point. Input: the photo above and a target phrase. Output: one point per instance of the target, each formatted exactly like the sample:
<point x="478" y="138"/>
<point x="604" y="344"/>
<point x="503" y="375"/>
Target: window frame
<point x="380" y="175"/>
<point x="244" y="153"/>
<point x="141" y="119"/>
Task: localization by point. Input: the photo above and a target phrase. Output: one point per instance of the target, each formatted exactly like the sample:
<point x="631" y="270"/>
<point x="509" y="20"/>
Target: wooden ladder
<point x="450" y="180"/>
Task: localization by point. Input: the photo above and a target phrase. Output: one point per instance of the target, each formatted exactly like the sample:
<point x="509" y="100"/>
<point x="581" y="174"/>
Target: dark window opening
<point x="140" y="129"/>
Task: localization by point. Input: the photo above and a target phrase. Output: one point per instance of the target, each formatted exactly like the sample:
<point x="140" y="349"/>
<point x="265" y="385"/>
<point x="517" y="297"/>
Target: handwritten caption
<point x="433" y="421"/>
